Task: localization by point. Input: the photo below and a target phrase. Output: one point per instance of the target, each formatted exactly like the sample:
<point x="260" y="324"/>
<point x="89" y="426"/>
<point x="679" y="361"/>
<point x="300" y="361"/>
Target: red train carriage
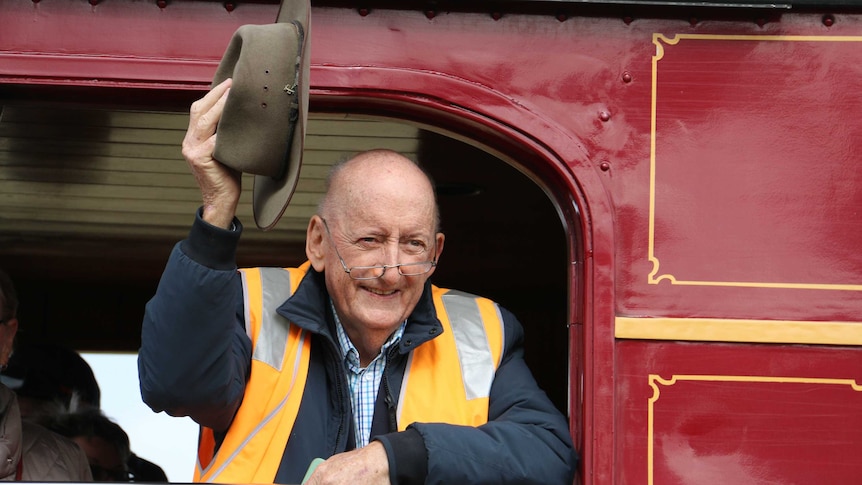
<point x="667" y="193"/>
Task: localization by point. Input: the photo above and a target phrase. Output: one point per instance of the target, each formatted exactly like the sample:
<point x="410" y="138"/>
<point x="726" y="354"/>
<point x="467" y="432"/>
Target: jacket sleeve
<point x="526" y="439"/>
<point x="195" y="355"/>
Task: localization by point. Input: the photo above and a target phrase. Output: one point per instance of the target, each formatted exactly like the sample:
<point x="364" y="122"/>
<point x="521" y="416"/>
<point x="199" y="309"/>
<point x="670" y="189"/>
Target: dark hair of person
<point x="91" y="423"/>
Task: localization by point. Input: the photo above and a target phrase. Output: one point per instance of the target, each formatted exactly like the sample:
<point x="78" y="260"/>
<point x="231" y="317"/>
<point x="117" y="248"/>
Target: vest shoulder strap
<point x="448" y="379"/>
<point x="264" y="290"/>
<point x="253" y="446"/>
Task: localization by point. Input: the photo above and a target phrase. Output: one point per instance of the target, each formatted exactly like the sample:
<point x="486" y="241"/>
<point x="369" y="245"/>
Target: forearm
<point x="496" y="453"/>
<point x="524" y="445"/>
<point x="194" y="355"/>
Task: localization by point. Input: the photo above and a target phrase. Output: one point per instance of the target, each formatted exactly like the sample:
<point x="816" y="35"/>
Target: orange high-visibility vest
<point x="447" y="379"/>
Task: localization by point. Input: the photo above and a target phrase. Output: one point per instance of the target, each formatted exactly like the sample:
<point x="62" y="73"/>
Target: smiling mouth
<point x="381" y="292"/>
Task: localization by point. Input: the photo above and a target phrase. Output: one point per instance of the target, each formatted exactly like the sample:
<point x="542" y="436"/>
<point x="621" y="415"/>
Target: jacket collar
<point x="309" y="308"/>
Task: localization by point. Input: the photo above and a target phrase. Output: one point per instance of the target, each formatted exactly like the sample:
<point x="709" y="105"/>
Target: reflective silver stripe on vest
<point x="271" y="339"/>
<point x="471" y="341"/>
<point x="246" y="307"/>
<point x="272" y="414"/>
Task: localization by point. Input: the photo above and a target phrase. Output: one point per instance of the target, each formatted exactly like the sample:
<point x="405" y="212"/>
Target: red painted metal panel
<point x="755" y="180"/>
<point x="728" y="413"/>
<point x="122" y="43"/>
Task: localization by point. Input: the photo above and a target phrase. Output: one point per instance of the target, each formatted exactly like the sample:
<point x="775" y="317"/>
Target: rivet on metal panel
<point x="604" y="116"/>
<point x="605" y="166"/>
<point x="828" y="20"/>
<point x="627" y="77"/>
<point x="430" y="14"/>
<point x="363" y="12"/>
<point x="229" y="6"/>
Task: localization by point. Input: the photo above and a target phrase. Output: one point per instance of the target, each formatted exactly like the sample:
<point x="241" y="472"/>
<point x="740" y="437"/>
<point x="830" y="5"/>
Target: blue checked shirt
<point x="364" y="383"/>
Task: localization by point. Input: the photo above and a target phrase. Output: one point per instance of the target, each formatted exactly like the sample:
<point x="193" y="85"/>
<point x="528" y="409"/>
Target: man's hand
<point x="220" y="185"/>
<point x="365" y="466"/>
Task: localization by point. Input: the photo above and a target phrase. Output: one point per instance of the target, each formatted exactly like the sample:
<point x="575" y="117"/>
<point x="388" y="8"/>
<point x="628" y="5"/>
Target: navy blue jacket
<point x="195" y="359"/>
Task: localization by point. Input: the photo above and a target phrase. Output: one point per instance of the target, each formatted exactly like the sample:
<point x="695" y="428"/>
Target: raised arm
<point x="220" y="185"/>
<point x="195" y="355"/>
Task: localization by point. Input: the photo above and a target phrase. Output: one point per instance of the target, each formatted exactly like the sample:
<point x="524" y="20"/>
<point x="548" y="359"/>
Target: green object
<point x="311" y="468"/>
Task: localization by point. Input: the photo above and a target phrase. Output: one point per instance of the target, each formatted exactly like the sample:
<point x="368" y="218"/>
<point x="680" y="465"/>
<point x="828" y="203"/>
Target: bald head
<point x="374" y="178"/>
<point x="379" y="211"/>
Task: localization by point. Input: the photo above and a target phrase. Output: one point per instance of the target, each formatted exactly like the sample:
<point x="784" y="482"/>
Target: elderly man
<point x="354" y="357"/>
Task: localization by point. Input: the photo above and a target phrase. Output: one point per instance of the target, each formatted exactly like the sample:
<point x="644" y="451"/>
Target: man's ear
<point x="438" y="250"/>
<point x="315" y="243"/>
<point x="440" y="239"/>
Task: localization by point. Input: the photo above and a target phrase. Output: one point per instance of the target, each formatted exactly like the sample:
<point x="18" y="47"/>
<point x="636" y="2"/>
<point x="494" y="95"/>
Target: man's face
<point x="383" y="213"/>
<point x="380" y="304"/>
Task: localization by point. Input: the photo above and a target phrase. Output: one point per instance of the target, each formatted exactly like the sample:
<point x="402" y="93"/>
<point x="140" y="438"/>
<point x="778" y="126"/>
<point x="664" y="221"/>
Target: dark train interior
<point x="93" y="195"/>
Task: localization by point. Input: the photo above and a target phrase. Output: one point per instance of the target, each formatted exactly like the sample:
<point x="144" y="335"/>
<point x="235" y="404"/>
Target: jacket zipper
<point x="390" y="401"/>
<point x="339" y="391"/>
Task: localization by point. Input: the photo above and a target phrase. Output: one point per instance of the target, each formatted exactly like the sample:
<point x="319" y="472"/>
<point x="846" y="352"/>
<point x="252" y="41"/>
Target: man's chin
<point x="382" y="321"/>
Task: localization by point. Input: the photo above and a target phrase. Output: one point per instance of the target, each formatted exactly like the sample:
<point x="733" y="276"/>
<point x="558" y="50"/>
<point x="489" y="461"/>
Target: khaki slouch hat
<point x="262" y="128"/>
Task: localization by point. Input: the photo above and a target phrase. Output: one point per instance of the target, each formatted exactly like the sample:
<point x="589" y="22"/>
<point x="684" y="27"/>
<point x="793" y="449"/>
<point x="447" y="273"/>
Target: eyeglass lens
<point x="405" y="269"/>
<point x="374" y="272"/>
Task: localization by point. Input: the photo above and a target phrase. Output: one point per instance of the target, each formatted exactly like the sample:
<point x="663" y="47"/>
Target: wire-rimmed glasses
<point x="375" y="272"/>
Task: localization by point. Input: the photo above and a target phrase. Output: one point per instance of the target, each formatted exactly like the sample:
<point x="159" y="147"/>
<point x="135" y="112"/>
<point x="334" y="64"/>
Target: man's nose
<point x="391" y="275"/>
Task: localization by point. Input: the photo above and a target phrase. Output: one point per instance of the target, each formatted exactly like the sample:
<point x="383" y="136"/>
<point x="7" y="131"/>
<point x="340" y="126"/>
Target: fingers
<point x="219" y="89"/>
<point x="204" y="116"/>
<point x="363" y="466"/>
<point x="216" y="95"/>
<point x="220" y="186"/>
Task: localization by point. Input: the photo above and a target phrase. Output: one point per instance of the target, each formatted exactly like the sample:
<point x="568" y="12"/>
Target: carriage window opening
<point x="166" y="441"/>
